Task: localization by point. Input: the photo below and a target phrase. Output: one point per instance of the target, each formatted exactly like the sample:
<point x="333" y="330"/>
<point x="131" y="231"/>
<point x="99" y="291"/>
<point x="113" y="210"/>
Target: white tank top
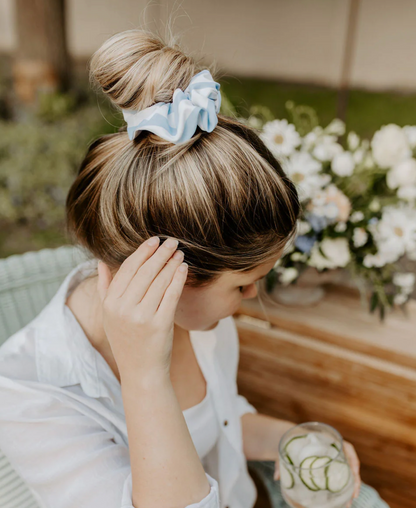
<point x="202" y="424"/>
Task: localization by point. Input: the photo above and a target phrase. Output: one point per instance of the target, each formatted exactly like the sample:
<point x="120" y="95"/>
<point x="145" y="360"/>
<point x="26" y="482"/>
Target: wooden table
<point x="336" y="363"/>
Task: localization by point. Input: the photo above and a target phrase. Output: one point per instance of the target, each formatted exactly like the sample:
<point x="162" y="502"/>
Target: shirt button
<point x="226" y="423"/>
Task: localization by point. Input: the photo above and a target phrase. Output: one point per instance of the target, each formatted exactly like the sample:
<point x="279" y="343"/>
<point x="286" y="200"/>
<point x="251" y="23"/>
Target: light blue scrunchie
<point x="177" y="121"/>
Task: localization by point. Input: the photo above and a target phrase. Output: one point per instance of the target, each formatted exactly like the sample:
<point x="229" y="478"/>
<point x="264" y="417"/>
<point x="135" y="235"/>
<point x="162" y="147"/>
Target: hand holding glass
<point x="314" y="471"/>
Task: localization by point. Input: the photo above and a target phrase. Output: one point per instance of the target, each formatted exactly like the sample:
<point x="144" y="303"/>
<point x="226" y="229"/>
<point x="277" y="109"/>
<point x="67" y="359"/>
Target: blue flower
<point x="305" y="243"/>
<point x="317" y="222"/>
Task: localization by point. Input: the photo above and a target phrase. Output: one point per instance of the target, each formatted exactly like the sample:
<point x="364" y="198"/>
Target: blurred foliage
<point x="39" y="159"/>
<point x="40" y="156"/>
<point x="367" y="110"/>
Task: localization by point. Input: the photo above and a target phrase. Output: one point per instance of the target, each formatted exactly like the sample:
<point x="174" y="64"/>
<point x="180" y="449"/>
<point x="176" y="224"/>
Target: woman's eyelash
<point x="241" y="288"/>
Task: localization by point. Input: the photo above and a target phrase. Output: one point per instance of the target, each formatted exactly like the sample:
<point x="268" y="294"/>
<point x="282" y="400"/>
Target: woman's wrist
<point x="144" y="382"/>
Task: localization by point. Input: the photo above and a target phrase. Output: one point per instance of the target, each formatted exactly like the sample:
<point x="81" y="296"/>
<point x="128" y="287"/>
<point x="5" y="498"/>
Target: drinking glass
<point x="314" y="471"/>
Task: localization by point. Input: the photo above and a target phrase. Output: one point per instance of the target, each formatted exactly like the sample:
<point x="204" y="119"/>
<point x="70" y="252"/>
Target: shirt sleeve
<point x="66" y="457"/>
<point x="244" y="406"/>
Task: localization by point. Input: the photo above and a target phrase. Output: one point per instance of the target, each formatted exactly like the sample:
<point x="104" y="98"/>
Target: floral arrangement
<point x="358" y="201"/>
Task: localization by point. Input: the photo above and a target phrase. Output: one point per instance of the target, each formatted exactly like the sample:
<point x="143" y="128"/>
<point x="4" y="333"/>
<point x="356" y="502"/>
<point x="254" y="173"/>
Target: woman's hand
<point x="139" y="306"/>
<point x="353" y="461"/>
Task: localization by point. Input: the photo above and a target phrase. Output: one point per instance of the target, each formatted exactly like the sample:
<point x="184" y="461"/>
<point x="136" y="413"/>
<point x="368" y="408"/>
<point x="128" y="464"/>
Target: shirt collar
<point x="65" y="356"/>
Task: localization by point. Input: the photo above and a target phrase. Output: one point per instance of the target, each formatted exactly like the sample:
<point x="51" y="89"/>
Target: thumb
<point x="104" y="279"/>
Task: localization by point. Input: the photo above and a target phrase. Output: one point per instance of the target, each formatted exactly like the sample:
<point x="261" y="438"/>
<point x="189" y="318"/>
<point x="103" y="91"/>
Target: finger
<point x="145" y="275"/>
<point x="130" y="266"/>
<point x="104" y="279"/>
<point x="167" y="307"/>
<point x="357" y="489"/>
<point x="151" y="300"/>
<point x="276" y="475"/>
<point x="354" y="463"/>
<point x="352" y="457"/>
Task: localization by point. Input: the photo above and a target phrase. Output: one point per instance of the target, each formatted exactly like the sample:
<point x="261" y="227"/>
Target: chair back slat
<point x="29" y="281"/>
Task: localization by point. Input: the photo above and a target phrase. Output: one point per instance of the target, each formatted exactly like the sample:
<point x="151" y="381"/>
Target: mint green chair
<point x="27" y="283"/>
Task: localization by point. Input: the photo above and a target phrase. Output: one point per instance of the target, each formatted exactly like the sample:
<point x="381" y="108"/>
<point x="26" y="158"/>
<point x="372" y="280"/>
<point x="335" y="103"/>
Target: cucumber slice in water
<point x="286" y="478"/>
<point x="318" y="476"/>
<point x="294" y="446"/>
<point x="335" y="446"/>
<point x="305" y="473"/>
<point x="337" y="475"/>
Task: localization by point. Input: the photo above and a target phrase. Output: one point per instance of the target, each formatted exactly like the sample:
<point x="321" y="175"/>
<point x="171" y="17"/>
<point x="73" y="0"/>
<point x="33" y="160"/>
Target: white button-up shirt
<point x="62" y="423"/>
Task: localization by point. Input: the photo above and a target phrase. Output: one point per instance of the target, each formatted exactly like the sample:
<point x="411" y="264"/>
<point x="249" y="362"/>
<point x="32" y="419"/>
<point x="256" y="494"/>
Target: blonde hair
<point x="222" y="194"/>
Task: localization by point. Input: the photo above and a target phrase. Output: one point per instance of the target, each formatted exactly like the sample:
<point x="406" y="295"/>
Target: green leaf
<point x="382" y="311"/>
<point x="373" y="302"/>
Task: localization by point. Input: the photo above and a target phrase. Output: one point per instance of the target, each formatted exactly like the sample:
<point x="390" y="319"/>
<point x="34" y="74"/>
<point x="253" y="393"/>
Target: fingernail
<point x="170" y="244"/>
<point x="183" y="267"/>
<point x="178" y="255"/>
<point x="153" y="241"/>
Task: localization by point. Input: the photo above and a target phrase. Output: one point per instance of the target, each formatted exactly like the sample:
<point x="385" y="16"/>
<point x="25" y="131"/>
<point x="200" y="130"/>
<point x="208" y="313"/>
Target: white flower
<point x="353" y="141"/>
<point x="277" y="264"/>
<point x="407" y="193"/>
<point x="303" y="227"/>
<point x="410" y="132"/>
<point x="357" y="216"/>
<point x="254" y="121"/>
<point x="280" y="137"/>
<point x="365" y="143"/>
<point x="359" y="237"/>
<point x="395" y="233"/>
<point x="405" y="281"/>
<point x="371" y="260"/>
<point x="390" y="146"/>
<point x="288" y="248"/>
<point x="288" y="275"/>
<point x="340" y="227"/>
<point x="331" y="203"/>
<point x="309" y="141"/>
<point x="343" y="164"/>
<point x="358" y="156"/>
<point x="368" y="161"/>
<point x="336" y="127"/>
<point x="375" y="205"/>
<point x="336" y="251"/>
<point x="298" y="256"/>
<point x="400" y="299"/>
<point x="326" y="148"/>
<point x="402" y="174"/>
<point x="304" y="170"/>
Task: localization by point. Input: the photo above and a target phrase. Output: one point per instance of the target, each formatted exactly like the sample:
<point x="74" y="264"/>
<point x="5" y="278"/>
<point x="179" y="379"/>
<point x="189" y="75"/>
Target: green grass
<point x="367" y="111"/>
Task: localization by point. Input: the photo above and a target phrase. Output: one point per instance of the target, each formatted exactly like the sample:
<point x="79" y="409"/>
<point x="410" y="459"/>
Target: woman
<point x="122" y="391"/>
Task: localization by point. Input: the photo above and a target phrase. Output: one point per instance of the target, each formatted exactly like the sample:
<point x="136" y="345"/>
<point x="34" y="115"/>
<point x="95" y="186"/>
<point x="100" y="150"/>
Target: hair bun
<point x="136" y="69"/>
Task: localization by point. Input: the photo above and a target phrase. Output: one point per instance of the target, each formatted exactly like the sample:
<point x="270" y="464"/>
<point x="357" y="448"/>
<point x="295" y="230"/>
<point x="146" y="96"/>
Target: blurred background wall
<point x="294" y="40"/>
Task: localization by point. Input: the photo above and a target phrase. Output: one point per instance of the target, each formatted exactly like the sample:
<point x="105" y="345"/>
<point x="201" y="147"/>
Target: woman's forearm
<point x="261" y="435"/>
<point x="166" y="469"/>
